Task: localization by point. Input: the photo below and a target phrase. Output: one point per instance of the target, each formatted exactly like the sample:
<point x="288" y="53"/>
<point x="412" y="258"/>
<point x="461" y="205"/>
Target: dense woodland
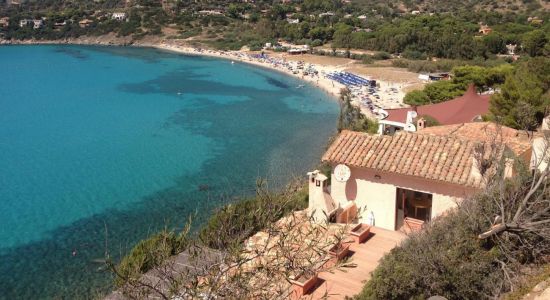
<point x="412" y="29"/>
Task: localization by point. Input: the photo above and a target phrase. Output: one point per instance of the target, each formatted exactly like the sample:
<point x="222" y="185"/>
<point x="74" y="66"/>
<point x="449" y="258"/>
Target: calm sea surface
<point x="121" y="138"/>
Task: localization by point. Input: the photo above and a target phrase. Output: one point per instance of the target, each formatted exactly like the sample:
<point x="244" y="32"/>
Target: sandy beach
<point x="389" y="93"/>
<point x="392" y="83"/>
<point x="269" y="61"/>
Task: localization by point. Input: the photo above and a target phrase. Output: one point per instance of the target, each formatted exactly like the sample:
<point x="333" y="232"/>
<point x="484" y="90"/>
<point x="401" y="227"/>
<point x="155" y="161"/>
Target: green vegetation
<point x="351" y="118"/>
<point x="226" y="229"/>
<point x="150" y="253"/>
<point x="442" y="30"/>
<point x="524" y="98"/>
<point x="450" y="258"/>
<point x="482" y="78"/>
<point x="430" y="121"/>
<point x="443" y="65"/>
<point x="233" y="223"/>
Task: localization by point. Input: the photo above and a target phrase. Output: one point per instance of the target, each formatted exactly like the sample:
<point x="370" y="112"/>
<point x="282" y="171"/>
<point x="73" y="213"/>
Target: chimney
<point x="421" y="124"/>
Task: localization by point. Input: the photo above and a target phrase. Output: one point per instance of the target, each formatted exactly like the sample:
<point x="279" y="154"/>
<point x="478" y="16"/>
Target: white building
<point x="119" y="16"/>
<point x="37" y="24"/>
<point x="25" y="22"/>
<point x="326" y="14"/>
<point x="394" y="182"/>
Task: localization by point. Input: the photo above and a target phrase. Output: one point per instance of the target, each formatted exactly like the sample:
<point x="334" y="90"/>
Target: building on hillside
<point x="531" y="147"/>
<point x="541" y="146"/>
<point x="397" y="182"/>
<point x="85" y="23"/>
<point x="435" y="76"/>
<point x="210" y="12"/>
<point x="37" y="23"/>
<point x="484" y="29"/>
<point x="25" y="22"/>
<point x="467" y="108"/>
<point x="293" y="50"/>
<point x="326" y="14"/>
<point x="511" y="49"/>
<point x="59" y="25"/>
<point x="119" y="16"/>
<point x="4" y="22"/>
<point x="293" y="21"/>
<point x="535" y="20"/>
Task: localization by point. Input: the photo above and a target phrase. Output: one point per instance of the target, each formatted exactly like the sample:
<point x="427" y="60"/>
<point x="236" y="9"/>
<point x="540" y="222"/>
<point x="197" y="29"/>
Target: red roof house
<point x="464" y="109"/>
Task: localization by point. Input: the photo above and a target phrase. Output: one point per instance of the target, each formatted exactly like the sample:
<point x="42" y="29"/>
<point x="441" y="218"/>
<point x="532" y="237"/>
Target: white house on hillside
<point x="119" y="16"/>
<point x="395" y="182"/>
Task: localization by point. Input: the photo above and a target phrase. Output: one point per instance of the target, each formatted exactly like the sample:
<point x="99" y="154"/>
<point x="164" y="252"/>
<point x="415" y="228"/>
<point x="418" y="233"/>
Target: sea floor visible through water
<point x="102" y="146"/>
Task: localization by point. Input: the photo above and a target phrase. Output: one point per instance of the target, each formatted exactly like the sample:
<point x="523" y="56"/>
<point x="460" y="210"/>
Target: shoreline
<point x="332" y="88"/>
<point x="244" y="57"/>
<point x="290" y="65"/>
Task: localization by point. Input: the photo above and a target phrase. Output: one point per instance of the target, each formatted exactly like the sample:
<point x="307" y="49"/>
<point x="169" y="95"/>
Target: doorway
<point x="412" y="204"/>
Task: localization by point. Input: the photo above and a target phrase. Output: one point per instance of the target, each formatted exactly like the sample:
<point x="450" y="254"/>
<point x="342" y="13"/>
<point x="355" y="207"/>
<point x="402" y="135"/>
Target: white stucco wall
<point x="371" y="196"/>
<point x="441" y="203"/>
<point x="541" y="154"/>
<point x="379" y="195"/>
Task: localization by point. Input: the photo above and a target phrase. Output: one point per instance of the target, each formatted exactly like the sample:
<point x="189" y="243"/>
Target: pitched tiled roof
<point x="439" y="158"/>
<point x="516" y="140"/>
<point x="459" y="110"/>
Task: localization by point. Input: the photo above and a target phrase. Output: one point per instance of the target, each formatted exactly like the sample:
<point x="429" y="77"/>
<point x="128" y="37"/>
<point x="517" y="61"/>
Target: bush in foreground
<point x="470" y="254"/>
<point x="148" y="254"/>
<point x="234" y="223"/>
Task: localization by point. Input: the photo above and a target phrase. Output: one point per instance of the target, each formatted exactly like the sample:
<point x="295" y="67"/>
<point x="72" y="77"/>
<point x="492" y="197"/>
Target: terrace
<point x="338" y="284"/>
<point x="350" y="260"/>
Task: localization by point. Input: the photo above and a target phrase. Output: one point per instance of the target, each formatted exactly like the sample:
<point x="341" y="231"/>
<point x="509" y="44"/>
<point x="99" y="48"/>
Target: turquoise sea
<point x="119" y="140"/>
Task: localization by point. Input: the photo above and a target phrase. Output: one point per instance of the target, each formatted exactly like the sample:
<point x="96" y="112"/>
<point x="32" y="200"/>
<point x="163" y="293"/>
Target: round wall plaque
<point x="342" y="173"/>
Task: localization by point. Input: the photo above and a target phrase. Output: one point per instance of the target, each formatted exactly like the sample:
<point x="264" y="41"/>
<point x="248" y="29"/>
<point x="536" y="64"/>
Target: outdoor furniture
<point x="360" y="233"/>
<point x="303" y="283"/>
<point x="413" y="224"/>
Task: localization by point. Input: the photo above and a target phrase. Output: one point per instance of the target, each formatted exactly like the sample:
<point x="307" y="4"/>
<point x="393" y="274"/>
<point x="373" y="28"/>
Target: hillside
<point x="415" y="29"/>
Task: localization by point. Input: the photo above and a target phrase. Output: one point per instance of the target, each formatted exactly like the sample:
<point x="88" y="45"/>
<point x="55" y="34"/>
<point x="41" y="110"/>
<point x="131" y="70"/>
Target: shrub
<point x="430" y="121"/>
<point x="413" y="54"/>
<point x="233" y="223"/>
<point x="468" y="253"/>
<point x="367" y="60"/>
<point x="381" y="56"/>
<point x="417" y="97"/>
<point x="149" y="253"/>
<point x="445" y="259"/>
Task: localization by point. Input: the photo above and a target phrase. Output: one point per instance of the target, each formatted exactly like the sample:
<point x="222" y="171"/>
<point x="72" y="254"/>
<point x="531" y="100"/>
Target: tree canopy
<point x="524" y="97"/>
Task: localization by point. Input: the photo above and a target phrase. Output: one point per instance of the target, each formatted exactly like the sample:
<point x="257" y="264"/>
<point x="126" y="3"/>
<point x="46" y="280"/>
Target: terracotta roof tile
<point x="516" y="140"/>
<point x="441" y="158"/>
